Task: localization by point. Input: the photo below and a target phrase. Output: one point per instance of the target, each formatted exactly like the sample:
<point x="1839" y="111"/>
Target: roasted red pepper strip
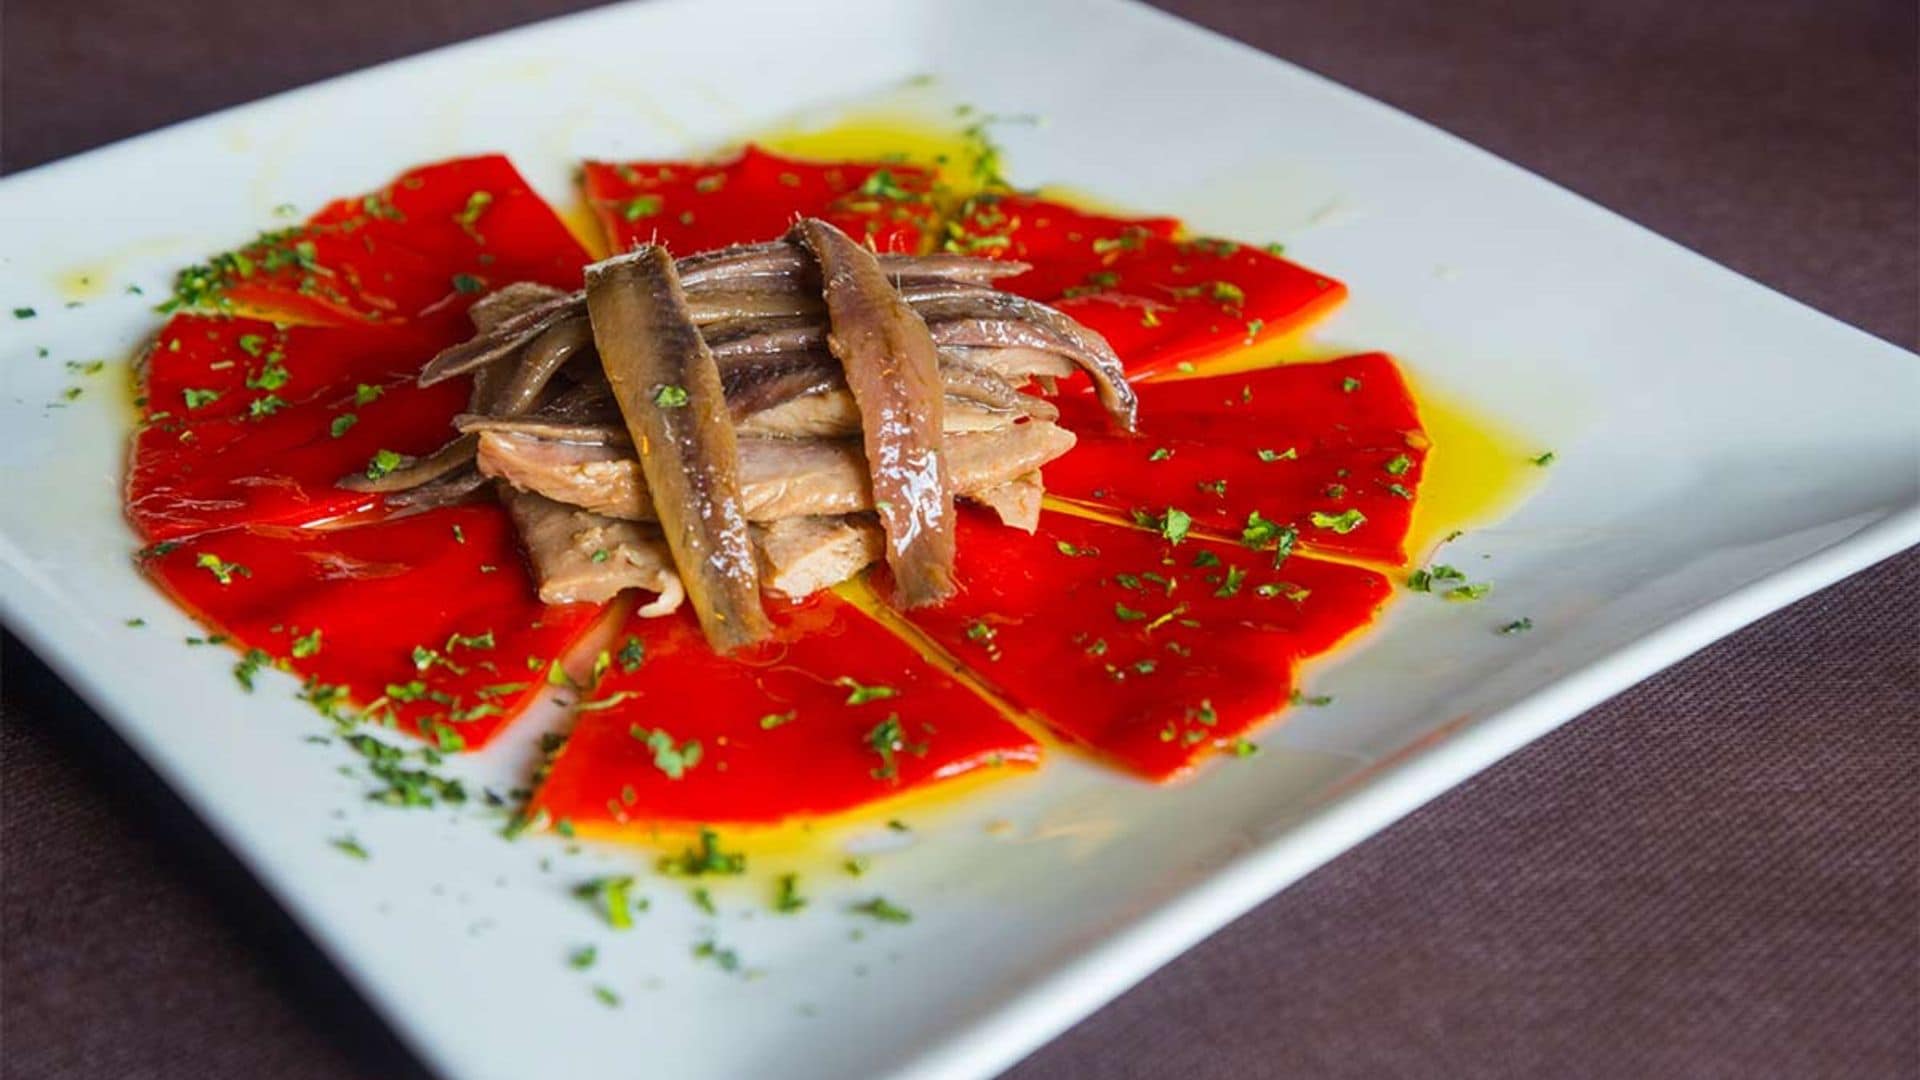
<point x="695" y="206"/>
<point x="1333" y="450"/>
<point x="436" y="235"/>
<point x="1159" y="299"/>
<point x="432" y="616"/>
<point x="209" y="456"/>
<point x="835" y="713"/>
<point x="1149" y="653"/>
<point x="1064" y="243"/>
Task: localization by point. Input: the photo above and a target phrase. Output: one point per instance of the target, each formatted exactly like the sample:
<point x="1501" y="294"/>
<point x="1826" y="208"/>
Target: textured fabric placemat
<point x="1714" y="874"/>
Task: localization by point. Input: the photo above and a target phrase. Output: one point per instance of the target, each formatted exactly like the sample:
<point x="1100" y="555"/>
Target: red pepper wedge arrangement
<point x="1153" y="644"/>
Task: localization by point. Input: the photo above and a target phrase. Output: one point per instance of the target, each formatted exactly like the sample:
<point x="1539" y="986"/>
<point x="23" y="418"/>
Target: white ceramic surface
<point x="1722" y="451"/>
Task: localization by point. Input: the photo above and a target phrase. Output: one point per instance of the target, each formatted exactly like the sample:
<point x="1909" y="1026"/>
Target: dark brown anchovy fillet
<point x="668" y="390"/>
<point x="463" y="485"/>
<point x="538" y="363"/>
<point x="968" y="310"/>
<point x="413" y="474"/>
<point x="585" y="434"/>
<point x="893" y="369"/>
<point x="735" y="268"/>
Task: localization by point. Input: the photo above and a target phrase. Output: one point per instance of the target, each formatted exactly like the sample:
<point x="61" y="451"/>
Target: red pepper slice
<point x="836" y="712"/>
<point x="1333" y="450"/>
<point x="1161" y="300"/>
<point x="208" y="462"/>
<point x="1152" y="654"/>
<point x="695" y="206"/>
<point x="436" y="235"/>
<point x="447" y="582"/>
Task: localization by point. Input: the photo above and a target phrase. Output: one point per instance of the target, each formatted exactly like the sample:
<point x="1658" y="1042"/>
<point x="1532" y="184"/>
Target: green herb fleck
<point x="1342" y="523"/>
<point x="786" y="895"/>
<point x="670" y="397"/>
<point x="384" y="462"/>
<point x="640" y="206"/>
<point x="222" y="570"/>
<point x="860" y="695"/>
<point x="707" y="858"/>
<point x="612" y="897"/>
<point x="307" y="644"/>
<point x="883" y="909"/>
<point x="670" y="758"/>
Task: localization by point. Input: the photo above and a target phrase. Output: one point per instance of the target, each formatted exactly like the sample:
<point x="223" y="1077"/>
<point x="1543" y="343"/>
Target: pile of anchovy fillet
<point x="770" y="416"/>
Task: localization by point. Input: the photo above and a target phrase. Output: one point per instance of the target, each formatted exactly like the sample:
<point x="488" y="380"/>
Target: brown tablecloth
<point x="1716" y="874"/>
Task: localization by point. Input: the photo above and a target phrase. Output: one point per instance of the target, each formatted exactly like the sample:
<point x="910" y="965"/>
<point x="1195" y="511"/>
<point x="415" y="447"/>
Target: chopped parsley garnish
<point x="786" y="895"/>
<point x="307" y="644"/>
<point x="889" y="739"/>
<point x="1160" y="454"/>
<point x="350" y="846"/>
<point x="222" y="570"/>
<point x="1244" y="748"/>
<point x="136" y="622"/>
<point x="469" y="215"/>
<point x="384" y="462"/>
<point x="1342" y="523"/>
<point x="606" y="996"/>
<point x="200" y="398"/>
<point x="779" y="719"/>
<point x="640" y="206"/>
<point x="1231" y="586"/>
<point x="1285" y="589"/>
<point x="860" y="695"/>
<point x="857" y="865"/>
<point x="1545" y="459"/>
<point x="1517" y="626"/>
<point x="705" y="859"/>
<point x="632" y="654"/>
<point x="1206" y="558"/>
<point x="1175" y="524"/>
<point x="1226" y="292"/>
<point x="583" y="957"/>
<point x="1399" y="465"/>
<point x="883" y="909"/>
<point x="468" y="283"/>
<point x="1298" y="698"/>
<point x="1261" y="534"/>
<point x="475" y="641"/>
<point x="612" y="897"/>
<point x="342" y="424"/>
<point x="249" y="666"/>
<point x="265" y="406"/>
<point x="670" y="397"/>
<point x="23" y="313"/>
<point x="1468" y="593"/>
<point x="881" y="183"/>
<point x="1349" y="384"/>
<point x="711" y="950"/>
<point x="1289" y="454"/>
<point x="670" y="758"/>
<point x="1072" y="552"/>
<point x="1127" y="614"/>
<point x="363" y="394"/>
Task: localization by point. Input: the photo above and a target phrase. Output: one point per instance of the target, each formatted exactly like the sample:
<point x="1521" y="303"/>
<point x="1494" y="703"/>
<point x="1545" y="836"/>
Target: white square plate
<point x="1722" y="451"/>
